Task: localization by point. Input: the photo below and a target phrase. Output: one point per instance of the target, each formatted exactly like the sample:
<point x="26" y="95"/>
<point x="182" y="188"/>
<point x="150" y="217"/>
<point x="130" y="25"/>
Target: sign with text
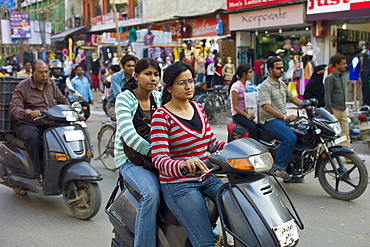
<point x="329" y="6"/>
<point x="20" y="25"/>
<point x="272" y="17"/>
<point x="243" y="4"/>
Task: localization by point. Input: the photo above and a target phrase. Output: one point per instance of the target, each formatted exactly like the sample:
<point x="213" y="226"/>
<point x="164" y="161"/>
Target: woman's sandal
<point x="280" y="173"/>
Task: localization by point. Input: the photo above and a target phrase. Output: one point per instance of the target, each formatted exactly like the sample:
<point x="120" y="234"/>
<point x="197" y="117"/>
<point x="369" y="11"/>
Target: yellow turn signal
<point x="242" y="164"/>
<point x="61" y="157"/>
<point x="89" y="153"/>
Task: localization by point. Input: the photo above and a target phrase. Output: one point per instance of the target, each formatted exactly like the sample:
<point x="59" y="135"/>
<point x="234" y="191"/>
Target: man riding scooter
<point x="30" y="97"/>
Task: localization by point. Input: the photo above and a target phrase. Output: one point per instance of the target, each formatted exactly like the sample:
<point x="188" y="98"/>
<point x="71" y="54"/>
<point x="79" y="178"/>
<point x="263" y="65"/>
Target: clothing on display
<point x="220" y="27"/>
<point x="242" y="56"/>
<point x="148" y="38"/>
<point x="132" y="36"/>
<point x="354" y="68"/>
<point x="185" y="31"/>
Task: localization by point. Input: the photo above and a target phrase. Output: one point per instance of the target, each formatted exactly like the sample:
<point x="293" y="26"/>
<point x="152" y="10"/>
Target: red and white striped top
<point x="172" y="143"/>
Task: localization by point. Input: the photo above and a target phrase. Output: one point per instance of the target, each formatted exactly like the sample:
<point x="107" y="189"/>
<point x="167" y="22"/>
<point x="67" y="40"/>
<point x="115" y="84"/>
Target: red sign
<point x="243" y="4"/>
<point x="329" y="6"/>
<point x="320" y="28"/>
<point x="201" y="27"/>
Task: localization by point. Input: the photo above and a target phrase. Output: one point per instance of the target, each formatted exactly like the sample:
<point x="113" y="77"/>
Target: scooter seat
<point x="264" y="135"/>
<point x="15" y="141"/>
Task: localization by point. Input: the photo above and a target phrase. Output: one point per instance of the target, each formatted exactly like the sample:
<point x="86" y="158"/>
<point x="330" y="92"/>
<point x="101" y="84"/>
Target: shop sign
<point x="329" y="6"/>
<point x="201" y="27"/>
<point x="243" y="4"/>
<point x="111" y="38"/>
<point x="279" y="16"/>
<point x="320" y="28"/>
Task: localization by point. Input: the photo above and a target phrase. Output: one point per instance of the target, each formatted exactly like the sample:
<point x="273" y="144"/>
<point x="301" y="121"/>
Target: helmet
<point x="55" y="64"/>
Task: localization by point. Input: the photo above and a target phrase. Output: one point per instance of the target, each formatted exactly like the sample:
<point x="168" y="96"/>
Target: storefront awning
<point x="65" y="33"/>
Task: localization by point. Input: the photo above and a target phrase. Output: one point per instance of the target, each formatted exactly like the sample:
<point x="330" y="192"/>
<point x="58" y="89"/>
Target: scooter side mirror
<point x="305" y="103"/>
<point x="314" y="102"/>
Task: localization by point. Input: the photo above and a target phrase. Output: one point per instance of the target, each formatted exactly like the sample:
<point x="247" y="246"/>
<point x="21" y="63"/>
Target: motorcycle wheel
<point x="350" y="180"/>
<point x="106" y="147"/>
<point x="212" y="107"/>
<point x="88" y="201"/>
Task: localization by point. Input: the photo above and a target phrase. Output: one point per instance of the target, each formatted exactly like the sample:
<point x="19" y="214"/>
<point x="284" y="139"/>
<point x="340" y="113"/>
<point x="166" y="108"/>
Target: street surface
<point x="35" y="220"/>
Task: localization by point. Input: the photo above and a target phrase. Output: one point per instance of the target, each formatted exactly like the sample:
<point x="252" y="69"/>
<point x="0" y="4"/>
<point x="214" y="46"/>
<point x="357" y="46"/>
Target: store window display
<point x="218" y="77"/>
<point x="81" y="58"/>
<point x="115" y="59"/>
<point x="200" y="66"/>
<point x="95" y="70"/>
<point x="228" y="70"/>
<point x="210" y="62"/>
<point x="311" y="50"/>
<point x="189" y="59"/>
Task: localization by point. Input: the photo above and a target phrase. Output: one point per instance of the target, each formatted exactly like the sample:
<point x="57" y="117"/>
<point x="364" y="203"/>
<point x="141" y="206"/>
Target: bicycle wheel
<point x="106" y="146"/>
<point x="201" y="98"/>
<point x="227" y="106"/>
<point x="212" y="106"/>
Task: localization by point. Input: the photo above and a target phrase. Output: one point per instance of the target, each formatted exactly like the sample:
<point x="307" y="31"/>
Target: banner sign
<point x="320" y="7"/>
<point x="20" y="25"/>
<point x="243" y="4"/>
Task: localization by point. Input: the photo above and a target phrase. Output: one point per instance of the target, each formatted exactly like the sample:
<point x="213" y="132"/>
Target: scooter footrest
<point x="31" y="184"/>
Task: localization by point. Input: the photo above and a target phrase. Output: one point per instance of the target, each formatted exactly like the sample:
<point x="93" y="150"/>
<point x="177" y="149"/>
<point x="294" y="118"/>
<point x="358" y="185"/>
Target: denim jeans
<point x="186" y="202"/>
<point x="146" y="183"/>
<point x="278" y="128"/>
<point x="247" y="123"/>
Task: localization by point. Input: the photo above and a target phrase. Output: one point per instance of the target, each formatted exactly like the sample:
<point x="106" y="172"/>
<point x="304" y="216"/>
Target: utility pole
<point x="20" y="41"/>
<point x="119" y="49"/>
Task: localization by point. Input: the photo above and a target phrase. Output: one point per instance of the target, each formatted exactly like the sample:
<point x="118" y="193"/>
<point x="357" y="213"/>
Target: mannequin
<point x="188" y="59"/>
<point x="115" y="59"/>
<point x="81" y="58"/>
<point x="108" y="63"/>
<point x="228" y="70"/>
<point x="95" y="70"/>
<point x="310" y="50"/>
<point x="365" y="72"/>
<point x="67" y="66"/>
<point x="218" y="78"/>
<point x="210" y="61"/>
<point x="167" y="63"/>
<point x="287" y="45"/>
<point x="130" y="52"/>
<point x="200" y="66"/>
<point x="149" y="37"/>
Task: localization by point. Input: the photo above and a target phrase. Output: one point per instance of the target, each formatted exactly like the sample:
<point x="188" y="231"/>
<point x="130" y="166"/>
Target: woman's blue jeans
<point x="186" y="202"/>
<point x="146" y="184"/>
<point x="278" y="128"/>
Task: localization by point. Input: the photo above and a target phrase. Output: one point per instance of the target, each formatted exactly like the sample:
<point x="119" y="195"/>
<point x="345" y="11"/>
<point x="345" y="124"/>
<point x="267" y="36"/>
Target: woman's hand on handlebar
<point x="193" y="164"/>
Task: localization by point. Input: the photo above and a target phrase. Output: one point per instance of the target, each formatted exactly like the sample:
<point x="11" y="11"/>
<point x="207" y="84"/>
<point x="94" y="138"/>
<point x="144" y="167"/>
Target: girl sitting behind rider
<point x="237" y="88"/>
<point x="181" y="136"/>
<point x="136" y="103"/>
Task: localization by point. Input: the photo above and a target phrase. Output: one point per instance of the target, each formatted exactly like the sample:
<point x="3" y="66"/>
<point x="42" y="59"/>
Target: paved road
<point x="36" y="220"/>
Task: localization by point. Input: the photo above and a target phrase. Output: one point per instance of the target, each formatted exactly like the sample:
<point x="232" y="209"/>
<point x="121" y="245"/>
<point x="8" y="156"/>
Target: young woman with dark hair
<point x="236" y="91"/>
<point x="134" y="105"/>
<point x="181" y="137"/>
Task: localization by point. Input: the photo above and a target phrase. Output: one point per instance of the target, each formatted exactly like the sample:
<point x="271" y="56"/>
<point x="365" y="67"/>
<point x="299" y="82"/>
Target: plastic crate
<point x="7" y="86"/>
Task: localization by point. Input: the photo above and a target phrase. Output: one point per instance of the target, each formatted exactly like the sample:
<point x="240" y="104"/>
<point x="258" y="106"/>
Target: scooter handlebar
<point x="185" y="170"/>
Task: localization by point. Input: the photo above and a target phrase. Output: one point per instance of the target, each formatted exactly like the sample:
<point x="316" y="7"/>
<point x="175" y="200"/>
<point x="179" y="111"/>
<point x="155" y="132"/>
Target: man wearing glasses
<point x="273" y="115"/>
<point x="30" y="97"/>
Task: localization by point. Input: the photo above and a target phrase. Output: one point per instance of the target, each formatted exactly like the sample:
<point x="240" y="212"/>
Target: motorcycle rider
<point x="63" y="82"/>
<point x="119" y="79"/>
<point x="273" y="118"/>
<point x="30" y="97"/>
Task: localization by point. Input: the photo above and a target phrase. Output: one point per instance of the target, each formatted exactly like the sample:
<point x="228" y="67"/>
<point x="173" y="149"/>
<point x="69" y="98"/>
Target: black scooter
<point x="67" y="169"/>
<point x="249" y="204"/>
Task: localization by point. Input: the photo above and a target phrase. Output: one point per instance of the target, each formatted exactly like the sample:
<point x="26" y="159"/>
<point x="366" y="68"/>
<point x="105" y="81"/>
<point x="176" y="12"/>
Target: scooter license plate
<point x="287" y="233"/>
<point x="74" y="135"/>
<point x="340" y="139"/>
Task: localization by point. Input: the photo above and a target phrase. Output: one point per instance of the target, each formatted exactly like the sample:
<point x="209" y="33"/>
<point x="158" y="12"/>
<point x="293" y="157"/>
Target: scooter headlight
<point x="257" y="163"/>
<point x="71" y="116"/>
<point x="77" y="106"/>
<point x="336" y="128"/>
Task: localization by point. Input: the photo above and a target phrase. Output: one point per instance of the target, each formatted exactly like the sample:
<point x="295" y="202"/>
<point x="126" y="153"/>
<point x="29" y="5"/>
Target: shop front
<point x="348" y="23"/>
<point x="263" y="31"/>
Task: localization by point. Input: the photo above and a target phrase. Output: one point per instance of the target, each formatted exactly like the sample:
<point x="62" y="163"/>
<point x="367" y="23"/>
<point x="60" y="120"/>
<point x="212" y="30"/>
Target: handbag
<point x="297" y="73"/>
<point x="134" y="156"/>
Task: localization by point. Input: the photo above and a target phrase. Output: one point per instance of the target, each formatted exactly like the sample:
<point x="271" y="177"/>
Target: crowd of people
<point x="160" y="133"/>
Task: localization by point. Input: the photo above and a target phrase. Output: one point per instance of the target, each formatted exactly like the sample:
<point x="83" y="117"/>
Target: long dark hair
<point x="242" y="68"/>
<point x="170" y="75"/>
<point x="140" y="66"/>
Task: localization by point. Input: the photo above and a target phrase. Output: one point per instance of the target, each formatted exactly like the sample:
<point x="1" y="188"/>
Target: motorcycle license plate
<point x="287" y="233"/>
<point x="340" y="139"/>
<point x="74" y="135"/>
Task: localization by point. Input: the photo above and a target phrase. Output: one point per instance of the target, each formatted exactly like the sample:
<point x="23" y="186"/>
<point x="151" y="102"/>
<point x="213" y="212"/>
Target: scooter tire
<point x="89" y="204"/>
<point x="349" y="182"/>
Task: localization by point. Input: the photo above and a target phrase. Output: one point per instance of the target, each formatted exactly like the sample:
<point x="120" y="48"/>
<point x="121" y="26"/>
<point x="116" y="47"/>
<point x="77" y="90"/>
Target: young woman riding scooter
<point x="134" y="108"/>
<point x="181" y="137"/>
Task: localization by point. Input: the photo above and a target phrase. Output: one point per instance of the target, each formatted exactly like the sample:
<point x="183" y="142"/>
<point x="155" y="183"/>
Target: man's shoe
<point x="41" y="180"/>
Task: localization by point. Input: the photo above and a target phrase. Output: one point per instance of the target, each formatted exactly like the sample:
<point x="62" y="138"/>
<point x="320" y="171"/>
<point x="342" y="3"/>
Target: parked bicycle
<point x="216" y="102"/>
<point x="106" y="137"/>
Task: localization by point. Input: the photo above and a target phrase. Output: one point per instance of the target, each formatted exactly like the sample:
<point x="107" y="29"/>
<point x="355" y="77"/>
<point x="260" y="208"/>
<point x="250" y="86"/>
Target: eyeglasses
<point x="279" y="68"/>
<point x="43" y="72"/>
<point x="190" y="82"/>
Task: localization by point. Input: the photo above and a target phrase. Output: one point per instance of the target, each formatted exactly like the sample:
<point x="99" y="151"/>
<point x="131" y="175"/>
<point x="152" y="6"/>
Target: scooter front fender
<point x="80" y="171"/>
<point x="333" y="150"/>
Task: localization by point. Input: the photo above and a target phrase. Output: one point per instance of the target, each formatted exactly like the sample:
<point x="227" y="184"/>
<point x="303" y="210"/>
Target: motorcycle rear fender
<point x="333" y="150"/>
<point x="80" y="171"/>
<point x="251" y="209"/>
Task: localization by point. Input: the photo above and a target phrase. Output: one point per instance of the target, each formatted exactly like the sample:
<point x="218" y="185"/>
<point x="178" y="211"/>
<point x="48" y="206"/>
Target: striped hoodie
<point x="126" y="106"/>
<point x="172" y="143"/>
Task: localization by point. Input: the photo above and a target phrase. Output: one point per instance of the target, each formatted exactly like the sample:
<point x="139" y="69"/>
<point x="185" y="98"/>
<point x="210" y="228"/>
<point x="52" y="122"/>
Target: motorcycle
<point x="67" y="169"/>
<point x="340" y="171"/>
<point x="249" y="205"/>
<point x="364" y="126"/>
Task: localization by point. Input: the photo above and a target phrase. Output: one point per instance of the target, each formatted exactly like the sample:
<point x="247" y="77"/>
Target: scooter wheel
<point x="86" y="204"/>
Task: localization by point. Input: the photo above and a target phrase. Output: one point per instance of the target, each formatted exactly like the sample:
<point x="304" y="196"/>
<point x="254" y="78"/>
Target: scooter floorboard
<point x="29" y="184"/>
